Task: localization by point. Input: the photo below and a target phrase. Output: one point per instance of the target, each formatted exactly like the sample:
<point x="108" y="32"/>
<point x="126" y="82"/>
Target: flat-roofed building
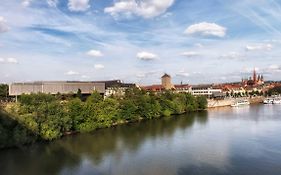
<point x="205" y="90"/>
<point x="54" y="87"/>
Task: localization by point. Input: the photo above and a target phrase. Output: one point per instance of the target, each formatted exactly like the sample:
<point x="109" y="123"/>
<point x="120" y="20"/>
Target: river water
<point x="231" y="141"/>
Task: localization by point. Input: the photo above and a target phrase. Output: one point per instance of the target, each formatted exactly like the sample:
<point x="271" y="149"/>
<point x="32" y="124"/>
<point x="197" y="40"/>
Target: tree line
<point x="45" y="117"/>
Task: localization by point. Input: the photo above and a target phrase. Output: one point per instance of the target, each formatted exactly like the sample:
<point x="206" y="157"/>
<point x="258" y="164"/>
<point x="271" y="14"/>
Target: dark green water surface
<point x="231" y="141"/>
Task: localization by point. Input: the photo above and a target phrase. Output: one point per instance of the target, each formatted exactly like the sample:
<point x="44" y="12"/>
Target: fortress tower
<point x="166" y="82"/>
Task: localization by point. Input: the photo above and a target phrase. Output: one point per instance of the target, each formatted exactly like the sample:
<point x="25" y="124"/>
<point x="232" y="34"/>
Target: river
<point x="231" y="141"/>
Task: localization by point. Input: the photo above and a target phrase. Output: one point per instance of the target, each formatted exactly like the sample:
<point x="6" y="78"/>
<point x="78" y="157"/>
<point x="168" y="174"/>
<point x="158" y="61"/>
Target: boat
<point x="240" y="103"/>
<point x="268" y="101"/>
<point x="277" y="101"/>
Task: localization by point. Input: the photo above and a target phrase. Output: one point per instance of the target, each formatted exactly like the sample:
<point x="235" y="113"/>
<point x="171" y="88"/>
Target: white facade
<point x="204" y="90"/>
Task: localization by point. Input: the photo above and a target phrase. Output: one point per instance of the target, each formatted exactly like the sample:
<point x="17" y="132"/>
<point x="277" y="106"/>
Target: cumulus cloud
<point x="182" y="73"/>
<point x="190" y="54"/>
<point x="99" y="66"/>
<point x="146" y="56"/>
<point x="72" y="73"/>
<point x="12" y="60"/>
<point x="52" y="3"/>
<point x="26" y="3"/>
<point x="78" y="5"/>
<point x="3" y="25"/>
<point x="9" y="61"/>
<point x="259" y="47"/>
<point x="147" y="74"/>
<point x="273" y="69"/>
<point x="2" y="60"/>
<point x="85" y="77"/>
<point x="206" y="29"/>
<point x="231" y="55"/>
<point x="143" y="8"/>
<point x="94" y="53"/>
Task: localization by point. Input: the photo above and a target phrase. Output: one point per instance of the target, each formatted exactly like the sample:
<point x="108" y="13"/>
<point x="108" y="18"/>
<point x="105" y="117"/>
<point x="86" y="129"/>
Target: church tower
<point x="255" y="76"/>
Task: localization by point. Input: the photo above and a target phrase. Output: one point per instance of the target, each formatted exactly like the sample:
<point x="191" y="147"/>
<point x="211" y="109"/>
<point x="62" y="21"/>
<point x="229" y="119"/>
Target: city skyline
<point x="137" y="41"/>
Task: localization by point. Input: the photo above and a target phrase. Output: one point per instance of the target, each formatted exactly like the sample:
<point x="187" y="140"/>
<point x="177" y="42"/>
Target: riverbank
<point x="45" y="117"/>
<point x="227" y="102"/>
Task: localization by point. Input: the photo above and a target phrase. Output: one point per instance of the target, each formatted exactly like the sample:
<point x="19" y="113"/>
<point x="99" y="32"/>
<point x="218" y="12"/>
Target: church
<point x="255" y="80"/>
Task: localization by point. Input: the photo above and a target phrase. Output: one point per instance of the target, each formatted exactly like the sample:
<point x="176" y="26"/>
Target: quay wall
<point x="227" y="102"/>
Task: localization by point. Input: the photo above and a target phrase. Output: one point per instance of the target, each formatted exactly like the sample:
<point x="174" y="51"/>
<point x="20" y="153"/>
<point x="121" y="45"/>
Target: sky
<point x="195" y="41"/>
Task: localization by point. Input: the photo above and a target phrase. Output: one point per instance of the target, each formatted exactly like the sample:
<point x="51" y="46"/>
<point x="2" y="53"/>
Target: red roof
<point x="153" y="88"/>
<point x="182" y="86"/>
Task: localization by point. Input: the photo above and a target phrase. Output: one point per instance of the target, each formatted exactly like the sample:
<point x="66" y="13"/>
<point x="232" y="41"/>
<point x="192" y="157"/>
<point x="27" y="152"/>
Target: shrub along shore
<point x="45" y="117"/>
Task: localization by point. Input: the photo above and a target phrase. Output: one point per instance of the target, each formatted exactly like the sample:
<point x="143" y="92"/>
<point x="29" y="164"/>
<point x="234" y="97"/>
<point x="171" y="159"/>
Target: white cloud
<point x="3" y="25"/>
<point x="190" y="54"/>
<point x="78" y="5"/>
<point x="199" y="45"/>
<point x="72" y="73"/>
<point x="52" y="3"/>
<point x="182" y="73"/>
<point x="9" y="61"/>
<point x="85" y="77"/>
<point x="231" y="55"/>
<point x="12" y="61"/>
<point x="257" y="47"/>
<point x="94" y="53"/>
<point x="143" y="8"/>
<point x="26" y="3"/>
<point x="206" y="29"/>
<point x="146" y="56"/>
<point x="273" y="69"/>
<point x="147" y="74"/>
<point x="99" y="66"/>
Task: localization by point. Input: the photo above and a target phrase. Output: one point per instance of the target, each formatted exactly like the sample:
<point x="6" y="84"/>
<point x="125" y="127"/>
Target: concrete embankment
<point x="229" y="101"/>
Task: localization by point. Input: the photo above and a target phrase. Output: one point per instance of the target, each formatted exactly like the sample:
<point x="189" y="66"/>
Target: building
<point x="167" y="82"/>
<point x="117" y="89"/>
<point x="54" y="87"/>
<point x="183" y="88"/>
<point x="205" y="90"/>
<point x="254" y="80"/>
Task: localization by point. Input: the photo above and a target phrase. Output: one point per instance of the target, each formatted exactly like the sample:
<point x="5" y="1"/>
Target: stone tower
<point x="166" y="82"/>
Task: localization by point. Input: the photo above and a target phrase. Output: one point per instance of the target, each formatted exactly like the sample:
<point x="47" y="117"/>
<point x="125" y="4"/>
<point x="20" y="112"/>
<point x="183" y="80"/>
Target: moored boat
<point x="240" y="103"/>
<point x="268" y="101"/>
<point x="277" y="101"/>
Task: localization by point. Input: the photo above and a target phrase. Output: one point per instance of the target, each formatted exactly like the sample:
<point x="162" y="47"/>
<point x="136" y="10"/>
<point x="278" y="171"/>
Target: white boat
<point x="240" y="103"/>
<point x="268" y="101"/>
<point x="277" y="101"/>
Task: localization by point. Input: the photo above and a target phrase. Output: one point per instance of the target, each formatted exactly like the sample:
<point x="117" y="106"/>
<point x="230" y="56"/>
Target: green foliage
<point x="4" y="90"/>
<point x="202" y="102"/>
<point x="274" y="91"/>
<point x="48" y="117"/>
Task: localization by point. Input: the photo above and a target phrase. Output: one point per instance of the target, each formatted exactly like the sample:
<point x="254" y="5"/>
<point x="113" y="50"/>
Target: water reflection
<point x="220" y="141"/>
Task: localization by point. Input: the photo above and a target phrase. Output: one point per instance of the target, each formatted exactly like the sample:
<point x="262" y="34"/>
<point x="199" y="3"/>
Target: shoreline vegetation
<point x="45" y="117"/>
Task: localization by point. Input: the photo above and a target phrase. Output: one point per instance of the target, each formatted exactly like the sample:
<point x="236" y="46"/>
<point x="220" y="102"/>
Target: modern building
<point x="205" y="90"/>
<point x="54" y="87"/>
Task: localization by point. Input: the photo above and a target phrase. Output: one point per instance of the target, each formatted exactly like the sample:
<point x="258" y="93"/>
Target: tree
<point x="4" y="91"/>
<point x="202" y="102"/>
<point x="79" y="94"/>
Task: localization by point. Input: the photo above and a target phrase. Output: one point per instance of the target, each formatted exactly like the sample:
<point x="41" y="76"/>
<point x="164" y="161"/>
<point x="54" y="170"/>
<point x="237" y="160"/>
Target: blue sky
<point x="196" y="41"/>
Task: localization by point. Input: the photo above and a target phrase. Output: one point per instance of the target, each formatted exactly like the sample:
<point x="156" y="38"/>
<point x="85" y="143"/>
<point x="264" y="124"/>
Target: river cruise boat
<point x="240" y="103"/>
<point x="272" y="101"/>
<point x="268" y="101"/>
<point x="277" y="101"/>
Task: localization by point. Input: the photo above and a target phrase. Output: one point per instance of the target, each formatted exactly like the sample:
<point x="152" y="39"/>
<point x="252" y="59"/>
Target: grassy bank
<point x="44" y="117"/>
